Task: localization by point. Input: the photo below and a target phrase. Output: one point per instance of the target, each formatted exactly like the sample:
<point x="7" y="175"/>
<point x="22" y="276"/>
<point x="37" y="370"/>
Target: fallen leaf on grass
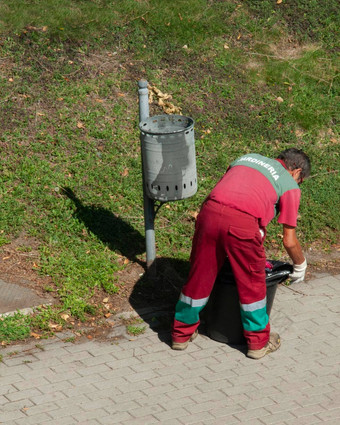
<point x="55" y="327"/>
<point x="299" y="133"/>
<point x="35" y="335"/>
<point x="194" y="214"/>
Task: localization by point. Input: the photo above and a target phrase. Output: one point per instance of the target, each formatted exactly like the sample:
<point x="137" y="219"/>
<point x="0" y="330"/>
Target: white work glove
<point x="299" y="271"/>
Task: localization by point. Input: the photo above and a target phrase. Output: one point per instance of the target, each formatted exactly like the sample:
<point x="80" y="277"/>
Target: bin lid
<point x="166" y="124"/>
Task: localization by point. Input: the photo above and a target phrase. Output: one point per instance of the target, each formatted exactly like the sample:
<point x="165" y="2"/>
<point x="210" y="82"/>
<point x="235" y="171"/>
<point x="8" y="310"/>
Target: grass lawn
<point x="254" y="75"/>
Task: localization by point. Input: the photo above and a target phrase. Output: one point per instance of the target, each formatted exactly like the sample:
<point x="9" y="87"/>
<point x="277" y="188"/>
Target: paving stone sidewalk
<point x="142" y="381"/>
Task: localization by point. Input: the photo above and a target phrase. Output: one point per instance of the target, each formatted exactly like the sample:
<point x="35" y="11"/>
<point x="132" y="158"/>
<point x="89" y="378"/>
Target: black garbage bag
<point x="222" y="315"/>
<point x="277" y="271"/>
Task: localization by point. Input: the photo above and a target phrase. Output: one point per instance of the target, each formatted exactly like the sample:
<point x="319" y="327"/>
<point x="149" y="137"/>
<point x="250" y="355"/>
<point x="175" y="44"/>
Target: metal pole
<point x="149" y="204"/>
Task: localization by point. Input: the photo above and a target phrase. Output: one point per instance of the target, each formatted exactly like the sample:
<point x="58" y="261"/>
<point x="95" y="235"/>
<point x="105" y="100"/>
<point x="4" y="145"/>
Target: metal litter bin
<point x="222" y="313"/>
<point x="168" y="156"/>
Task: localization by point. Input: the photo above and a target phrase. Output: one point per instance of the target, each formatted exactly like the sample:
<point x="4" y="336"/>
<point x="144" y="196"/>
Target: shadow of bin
<point x="222" y="314"/>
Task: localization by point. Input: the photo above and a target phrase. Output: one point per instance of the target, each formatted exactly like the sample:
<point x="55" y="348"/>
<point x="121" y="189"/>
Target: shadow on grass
<point x="118" y="235"/>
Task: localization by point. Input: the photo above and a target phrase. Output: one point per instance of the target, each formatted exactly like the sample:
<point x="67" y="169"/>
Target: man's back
<point x="261" y="187"/>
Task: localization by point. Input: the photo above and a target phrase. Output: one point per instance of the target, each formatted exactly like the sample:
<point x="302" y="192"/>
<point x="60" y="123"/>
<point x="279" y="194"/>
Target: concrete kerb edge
<point x="24" y="311"/>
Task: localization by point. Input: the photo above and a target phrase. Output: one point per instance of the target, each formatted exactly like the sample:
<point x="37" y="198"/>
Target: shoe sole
<point x="259" y="354"/>
<point x="180" y="346"/>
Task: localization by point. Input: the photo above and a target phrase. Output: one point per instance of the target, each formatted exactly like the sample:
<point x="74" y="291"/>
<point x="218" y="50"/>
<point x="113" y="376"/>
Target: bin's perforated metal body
<point x="168" y="153"/>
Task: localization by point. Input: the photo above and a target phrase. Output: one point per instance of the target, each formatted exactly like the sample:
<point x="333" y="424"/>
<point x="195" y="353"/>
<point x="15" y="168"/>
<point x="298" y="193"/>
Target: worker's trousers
<point x="223" y="232"/>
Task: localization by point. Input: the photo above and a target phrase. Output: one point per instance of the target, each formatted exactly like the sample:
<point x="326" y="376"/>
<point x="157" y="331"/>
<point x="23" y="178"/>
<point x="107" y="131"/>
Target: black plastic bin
<point x="222" y="314"/>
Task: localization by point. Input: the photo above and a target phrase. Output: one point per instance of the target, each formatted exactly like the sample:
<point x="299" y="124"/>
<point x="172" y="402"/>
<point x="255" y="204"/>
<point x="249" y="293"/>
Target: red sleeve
<point x="289" y="206"/>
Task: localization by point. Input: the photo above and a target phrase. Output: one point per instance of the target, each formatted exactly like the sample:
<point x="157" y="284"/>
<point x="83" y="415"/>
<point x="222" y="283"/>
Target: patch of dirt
<point x="19" y="264"/>
<point x="116" y="303"/>
<point x="6" y="67"/>
<point x="289" y="49"/>
<point x="322" y="261"/>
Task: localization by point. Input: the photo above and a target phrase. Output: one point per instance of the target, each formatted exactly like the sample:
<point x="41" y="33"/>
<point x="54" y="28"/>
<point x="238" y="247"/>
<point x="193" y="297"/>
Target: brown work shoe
<point x="272" y="345"/>
<point x="183" y="345"/>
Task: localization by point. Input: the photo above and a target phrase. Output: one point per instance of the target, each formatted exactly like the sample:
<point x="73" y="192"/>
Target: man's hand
<point x="299" y="271"/>
<point x="294" y="250"/>
<point x="292" y="245"/>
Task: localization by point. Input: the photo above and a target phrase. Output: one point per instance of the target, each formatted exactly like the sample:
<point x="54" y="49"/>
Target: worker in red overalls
<point x="232" y="223"/>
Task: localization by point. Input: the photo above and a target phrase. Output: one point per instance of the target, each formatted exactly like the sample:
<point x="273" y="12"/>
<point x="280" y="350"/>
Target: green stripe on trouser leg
<point x="256" y="320"/>
<point x="185" y="313"/>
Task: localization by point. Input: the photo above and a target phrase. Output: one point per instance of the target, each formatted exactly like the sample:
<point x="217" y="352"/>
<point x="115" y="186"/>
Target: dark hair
<point x="296" y="158"/>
